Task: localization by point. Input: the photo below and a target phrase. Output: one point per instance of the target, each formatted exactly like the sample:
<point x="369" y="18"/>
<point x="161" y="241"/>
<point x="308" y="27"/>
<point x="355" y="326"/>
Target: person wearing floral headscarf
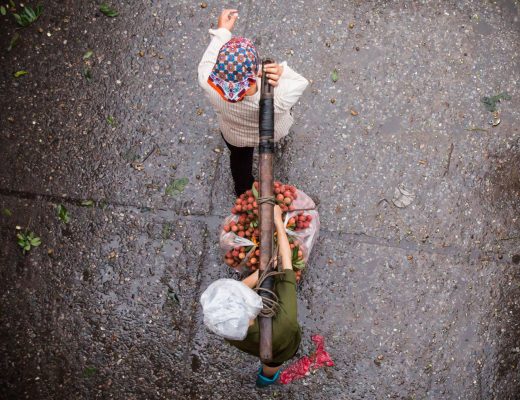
<point x="230" y="74"/>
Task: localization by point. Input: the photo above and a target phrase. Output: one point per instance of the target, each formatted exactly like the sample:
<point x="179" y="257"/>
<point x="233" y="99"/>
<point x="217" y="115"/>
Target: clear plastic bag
<point x="228" y="306"/>
<point x="306" y="237"/>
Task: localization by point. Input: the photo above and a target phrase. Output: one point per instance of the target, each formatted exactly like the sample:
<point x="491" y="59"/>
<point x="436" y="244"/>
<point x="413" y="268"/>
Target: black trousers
<point x="241" y="163"/>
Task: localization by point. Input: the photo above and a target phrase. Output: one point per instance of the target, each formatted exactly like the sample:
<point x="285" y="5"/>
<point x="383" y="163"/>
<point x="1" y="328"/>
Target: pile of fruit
<point x="241" y="233"/>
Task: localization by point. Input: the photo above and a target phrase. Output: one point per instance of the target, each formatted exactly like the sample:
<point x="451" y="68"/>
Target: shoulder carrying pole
<point x="266" y="150"/>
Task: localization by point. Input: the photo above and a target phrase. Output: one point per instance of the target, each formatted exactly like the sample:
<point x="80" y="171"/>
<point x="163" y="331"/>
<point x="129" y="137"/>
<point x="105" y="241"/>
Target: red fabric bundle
<point x="307" y="364"/>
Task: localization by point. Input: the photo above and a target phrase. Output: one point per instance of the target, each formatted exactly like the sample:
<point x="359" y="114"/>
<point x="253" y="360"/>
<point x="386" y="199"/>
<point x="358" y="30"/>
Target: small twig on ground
<point x="450" y="151"/>
<point x="510" y="238"/>
<point x="475" y="129"/>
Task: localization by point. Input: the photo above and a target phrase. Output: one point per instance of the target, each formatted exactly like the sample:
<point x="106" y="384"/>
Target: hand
<point x="278" y="221"/>
<point x="227" y="19"/>
<point x="273" y="72"/>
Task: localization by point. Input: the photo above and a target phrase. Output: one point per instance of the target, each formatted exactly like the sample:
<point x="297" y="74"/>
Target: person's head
<point x="234" y="74"/>
<point x="228" y="307"/>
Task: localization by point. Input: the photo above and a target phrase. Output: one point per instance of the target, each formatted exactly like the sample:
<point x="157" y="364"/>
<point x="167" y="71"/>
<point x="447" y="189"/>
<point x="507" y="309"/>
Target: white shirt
<point x="239" y="121"/>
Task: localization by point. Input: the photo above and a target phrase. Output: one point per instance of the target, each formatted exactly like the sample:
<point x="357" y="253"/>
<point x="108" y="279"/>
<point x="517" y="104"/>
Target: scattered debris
<point x="87" y="73"/>
<point x="200" y="111"/>
<point x="354" y="113"/>
<point x="203" y="4"/>
<point x="88" y="54"/>
<point x="111" y="120"/>
<point x="402" y="197"/>
<point x="378" y="360"/>
<point x="333" y="100"/>
<point x="176" y="187"/>
<point x="450" y="152"/>
<point x="351" y="25"/>
<point x="87" y="203"/>
<point x="476" y="129"/>
<point x="139" y="165"/>
<point x="13" y="42"/>
<point x="334" y="75"/>
<point x="89" y="372"/>
<point x="109" y="11"/>
<point x="7" y="212"/>
<point x="491" y="102"/>
<point x="495" y="120"/>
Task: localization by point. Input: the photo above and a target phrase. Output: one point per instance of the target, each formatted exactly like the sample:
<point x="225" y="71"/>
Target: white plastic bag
<point x="228" y="306"/>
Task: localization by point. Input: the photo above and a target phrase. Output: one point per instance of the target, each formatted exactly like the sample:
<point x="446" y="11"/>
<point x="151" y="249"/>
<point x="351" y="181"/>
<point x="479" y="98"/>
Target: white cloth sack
<point x="228" y="306"/>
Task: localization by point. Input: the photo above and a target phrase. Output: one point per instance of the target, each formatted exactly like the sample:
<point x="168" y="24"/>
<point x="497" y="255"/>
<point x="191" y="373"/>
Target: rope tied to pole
<point x="270" y="298"/>
<point x="266" y="200"/>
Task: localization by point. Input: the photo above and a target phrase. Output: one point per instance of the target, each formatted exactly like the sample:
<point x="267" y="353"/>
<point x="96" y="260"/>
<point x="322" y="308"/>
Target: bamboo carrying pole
<point x="266" y="151"/>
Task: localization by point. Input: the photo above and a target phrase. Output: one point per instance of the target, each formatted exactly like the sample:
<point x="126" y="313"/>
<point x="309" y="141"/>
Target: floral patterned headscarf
<point x="235" y="70"/>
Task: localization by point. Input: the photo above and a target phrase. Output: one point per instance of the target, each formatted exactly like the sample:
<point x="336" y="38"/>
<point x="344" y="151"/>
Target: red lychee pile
<point x="244" y="224"/>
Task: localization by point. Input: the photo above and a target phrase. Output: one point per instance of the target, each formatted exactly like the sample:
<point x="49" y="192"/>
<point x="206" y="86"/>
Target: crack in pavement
<point x="471" y="254"/>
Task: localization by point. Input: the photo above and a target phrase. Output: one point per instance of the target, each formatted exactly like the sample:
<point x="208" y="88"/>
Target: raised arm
<point x="219" y="37"/>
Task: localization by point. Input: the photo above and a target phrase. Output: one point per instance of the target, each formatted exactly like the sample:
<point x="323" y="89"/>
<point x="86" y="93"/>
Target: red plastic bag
<point x="307" y="364"/>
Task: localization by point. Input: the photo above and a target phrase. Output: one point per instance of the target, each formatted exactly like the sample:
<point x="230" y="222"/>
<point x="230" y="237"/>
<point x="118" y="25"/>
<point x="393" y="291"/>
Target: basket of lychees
<point x="240" y="235"/>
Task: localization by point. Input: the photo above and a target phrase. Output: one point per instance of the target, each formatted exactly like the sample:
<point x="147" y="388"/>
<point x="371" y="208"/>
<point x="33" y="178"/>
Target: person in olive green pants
<point x="230" y="309"/>
<point x="286" y="330"/>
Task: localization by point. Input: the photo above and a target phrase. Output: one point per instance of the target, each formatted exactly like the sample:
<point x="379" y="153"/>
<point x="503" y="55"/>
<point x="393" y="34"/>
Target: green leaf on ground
<point x="28" y="240"/>
<point x="334" y="75"/>
<point x="7" y="212"/>
<point x="20" y="73"/>
<point x="108" y="10"/>
<point x="87" y="74"/>
<point x="166" y="231"/>
<point x="88" y="54"/>
<point x="491" y="102"/>
<point x="63" y="214"/>
<point x="176" y="187"/>
<point x="89" y="372"/>
<point x="111" y="121"/>
<point x="3" y="11"/>
<point x="13" y="41"/>
<point x="87" y="203"/>
<point x="27" y="16"/>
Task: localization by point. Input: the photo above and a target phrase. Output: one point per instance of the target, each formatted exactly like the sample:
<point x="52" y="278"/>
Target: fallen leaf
<point x="138" y="166"/>
<point x="353" y="112"/>
<point x="87" y="203"/>
<point x="13" y="41"/>
<point x="176" y="187"/>
<point x="402" y="197"/>
<point x="108" y="10"/>
<point x="334" y="75"/>
<point x="17" y="74"/>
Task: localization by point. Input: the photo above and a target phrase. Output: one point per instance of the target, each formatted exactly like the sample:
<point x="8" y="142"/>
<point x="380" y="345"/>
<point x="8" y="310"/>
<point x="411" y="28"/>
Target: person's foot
<point x="263" y="381"/>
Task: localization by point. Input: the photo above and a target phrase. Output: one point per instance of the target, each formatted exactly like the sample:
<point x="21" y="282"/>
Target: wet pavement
<point x="421" y="302"/>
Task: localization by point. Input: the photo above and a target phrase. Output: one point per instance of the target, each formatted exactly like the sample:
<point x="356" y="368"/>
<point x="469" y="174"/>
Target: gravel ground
<point x="420" y="302"/>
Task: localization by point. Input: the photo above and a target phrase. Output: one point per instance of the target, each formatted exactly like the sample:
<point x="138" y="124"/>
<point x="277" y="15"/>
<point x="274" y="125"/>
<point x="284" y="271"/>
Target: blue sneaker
<point x="263" y="381"/>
